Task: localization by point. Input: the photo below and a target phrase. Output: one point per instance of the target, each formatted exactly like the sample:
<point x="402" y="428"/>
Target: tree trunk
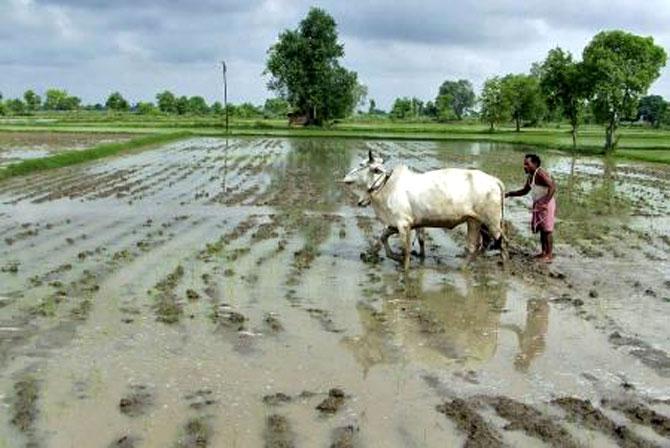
<point x="491" y="128"/>
<point x="518" y="127"/>
<point x="574" y="137"/>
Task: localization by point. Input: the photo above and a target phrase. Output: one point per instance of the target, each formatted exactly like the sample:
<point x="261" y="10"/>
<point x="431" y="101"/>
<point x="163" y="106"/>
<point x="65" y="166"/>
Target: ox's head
<point x="365" y="176"/>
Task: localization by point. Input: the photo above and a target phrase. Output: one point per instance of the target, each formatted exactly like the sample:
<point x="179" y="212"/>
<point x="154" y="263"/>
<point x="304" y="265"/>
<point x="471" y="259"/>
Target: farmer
<point x="543" y="189"/>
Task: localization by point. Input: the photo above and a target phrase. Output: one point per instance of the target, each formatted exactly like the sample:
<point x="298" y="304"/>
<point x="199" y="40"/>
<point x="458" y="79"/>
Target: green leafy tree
<point x="495" y="107"/>
<point x="455" y="99"/>
<point x="181" y="105"/>
<point x="564" y="84"/>
<point x="216" y="108"/>
<point x="33" y="100"/>
<point x="248" y="110"/>
<point x="197" y="105"/>
<point x="145" y="108"/>
<point x="305" y="70"/>
<point x="276" y="108"/>
<point x="372" y="106"/>
<point x="524" y="98"/>
<point x="117" y="103"/>
<point x="167" y="103"/>
<point x="653" y="109"/>
<point x="620" y="67"/>
<point x="2" y="105"/>
<point x="57" y="99"/>
<point x="15" y="106"/>
<point x="360" y="94"/>
<point x="406" y="108"/>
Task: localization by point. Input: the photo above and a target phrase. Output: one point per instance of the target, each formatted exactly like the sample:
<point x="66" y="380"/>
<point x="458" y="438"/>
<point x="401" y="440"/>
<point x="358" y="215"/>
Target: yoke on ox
<point x="404" y="200"/>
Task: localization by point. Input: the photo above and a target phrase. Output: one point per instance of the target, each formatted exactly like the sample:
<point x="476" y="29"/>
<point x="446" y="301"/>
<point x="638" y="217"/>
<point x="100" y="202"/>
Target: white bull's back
<point x="442" y="198"/>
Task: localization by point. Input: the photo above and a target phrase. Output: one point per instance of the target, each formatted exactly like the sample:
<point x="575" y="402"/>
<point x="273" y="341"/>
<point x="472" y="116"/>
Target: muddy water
<point x="18" y="146"/>
<point x="213" y="293"/>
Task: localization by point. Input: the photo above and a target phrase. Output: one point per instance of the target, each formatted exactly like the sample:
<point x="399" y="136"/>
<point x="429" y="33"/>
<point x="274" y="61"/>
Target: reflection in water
<point x="532" y="337"/>
<point x="432" y="323"/>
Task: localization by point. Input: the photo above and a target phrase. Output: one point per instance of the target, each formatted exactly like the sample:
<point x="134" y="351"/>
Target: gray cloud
<point x="399" y="48"/>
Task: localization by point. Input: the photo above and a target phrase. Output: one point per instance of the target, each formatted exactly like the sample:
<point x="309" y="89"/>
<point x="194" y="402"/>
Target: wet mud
<point x="213" y="293"/>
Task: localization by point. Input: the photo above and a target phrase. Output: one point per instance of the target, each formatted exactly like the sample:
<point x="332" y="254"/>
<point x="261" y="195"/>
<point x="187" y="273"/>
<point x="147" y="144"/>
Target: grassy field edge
<point x="96" y="152"/>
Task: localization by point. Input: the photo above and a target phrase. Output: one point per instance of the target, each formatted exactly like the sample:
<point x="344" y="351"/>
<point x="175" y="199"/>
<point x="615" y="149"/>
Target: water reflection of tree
<point x="432" y="324"/>
<point x="306" y="181"/>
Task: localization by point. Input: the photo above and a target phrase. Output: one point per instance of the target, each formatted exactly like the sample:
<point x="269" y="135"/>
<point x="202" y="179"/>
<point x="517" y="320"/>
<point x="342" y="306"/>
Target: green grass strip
<point x="74" y="157"/>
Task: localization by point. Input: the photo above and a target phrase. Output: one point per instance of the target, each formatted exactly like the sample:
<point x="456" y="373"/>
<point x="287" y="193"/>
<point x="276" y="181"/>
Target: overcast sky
<point x="398" y="48"/>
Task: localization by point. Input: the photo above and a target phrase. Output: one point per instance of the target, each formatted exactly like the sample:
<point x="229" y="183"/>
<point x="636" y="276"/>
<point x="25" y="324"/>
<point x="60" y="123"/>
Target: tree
<point x="495" y="104"/>
<point x="247" y="110"/>
<point x="524" y="98"/>
<point x="276" y="108"/>
<point x="620" y="67"/>
<point x="15" y="106"/>
<point x="57" y="99"/>
<point x="145" y="108"/>
<point x="454" y="99"/>
<point x="197" y="105"/>
<point x="2" y="105"/>
<point x="116" y="102"/>
<point x="181" y="105"/>
<point x="167" y="103"/>
<point x="217" y="108"/>
<point x="33" y="100"/>
<point x="564" y="84"/>
<point x="406" y="108"/>
<point x="653" y="109"/>
<point x="305" y="71"/>
<point x="360" y="94"/>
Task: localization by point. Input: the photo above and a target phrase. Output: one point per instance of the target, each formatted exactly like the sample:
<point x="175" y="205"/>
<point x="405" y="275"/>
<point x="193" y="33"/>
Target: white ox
<point x="404" y="200"/>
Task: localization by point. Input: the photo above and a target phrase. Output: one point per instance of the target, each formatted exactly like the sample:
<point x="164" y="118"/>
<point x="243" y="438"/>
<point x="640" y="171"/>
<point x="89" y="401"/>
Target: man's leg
<point x="549" y="245"/>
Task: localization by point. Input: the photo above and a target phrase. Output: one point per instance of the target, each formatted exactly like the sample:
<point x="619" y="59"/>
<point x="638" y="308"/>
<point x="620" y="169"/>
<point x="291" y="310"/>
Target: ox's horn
<point x="370" y="158"/>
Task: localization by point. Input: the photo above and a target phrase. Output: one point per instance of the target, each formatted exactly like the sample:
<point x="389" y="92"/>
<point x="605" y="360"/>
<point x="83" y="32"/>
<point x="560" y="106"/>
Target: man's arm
<point x="524" y="191"/>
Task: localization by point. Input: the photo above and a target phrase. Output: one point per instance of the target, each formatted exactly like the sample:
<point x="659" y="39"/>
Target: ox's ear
<point x="370" y="158"/>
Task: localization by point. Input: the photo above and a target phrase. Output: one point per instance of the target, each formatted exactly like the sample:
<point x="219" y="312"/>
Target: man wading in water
<point x="544" y="205"/>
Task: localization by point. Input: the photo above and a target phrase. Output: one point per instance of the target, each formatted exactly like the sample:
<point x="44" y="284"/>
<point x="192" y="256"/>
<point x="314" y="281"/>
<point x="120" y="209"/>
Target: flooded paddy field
<point x="18" y="146"/>
<point x="225" y="294"/>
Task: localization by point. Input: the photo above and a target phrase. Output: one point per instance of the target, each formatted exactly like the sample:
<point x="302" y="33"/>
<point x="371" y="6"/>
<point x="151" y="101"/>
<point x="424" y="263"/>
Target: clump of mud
<point x="344" y="437"/>
<point x="650" y="356"/>
<point x="531" y="421"/>
<point x="197" y="434"/>
<point x="191" y="294"/>
<point x="642" y="415"/>
<point x="276" y="399"/>
<point x="136" y="402"/>
<point x="333" y="402"/>
<point x="273" y="323"/>
<point x="324" y="319"/>
<point x="124" y="442"/>
<point x="200" y="399"/>
<point x="228" y="319"/>
<point x="479" y="433"/>
<point x="585" y="413"/>
<point x="24" y="405"/>
<point x="11" y="267"/>
<point x="278" y="433"/>
<point x="168" y="309"/>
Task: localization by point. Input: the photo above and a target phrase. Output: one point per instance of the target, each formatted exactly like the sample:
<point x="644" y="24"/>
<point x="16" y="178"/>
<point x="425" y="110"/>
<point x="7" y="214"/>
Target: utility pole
<point x="225" y="93"/>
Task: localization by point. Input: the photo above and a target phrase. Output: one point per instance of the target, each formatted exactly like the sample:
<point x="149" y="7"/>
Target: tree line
<point x="607" y="86"/>
<point x="166" y="103"/>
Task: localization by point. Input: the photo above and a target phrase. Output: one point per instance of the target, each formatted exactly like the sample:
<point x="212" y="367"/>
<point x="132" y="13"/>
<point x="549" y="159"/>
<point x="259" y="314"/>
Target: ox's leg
<point x="474" y="238"/>
<point x="406" y="239"/>
<point x="421" y="233"/>
<point x="385" y="241"/>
